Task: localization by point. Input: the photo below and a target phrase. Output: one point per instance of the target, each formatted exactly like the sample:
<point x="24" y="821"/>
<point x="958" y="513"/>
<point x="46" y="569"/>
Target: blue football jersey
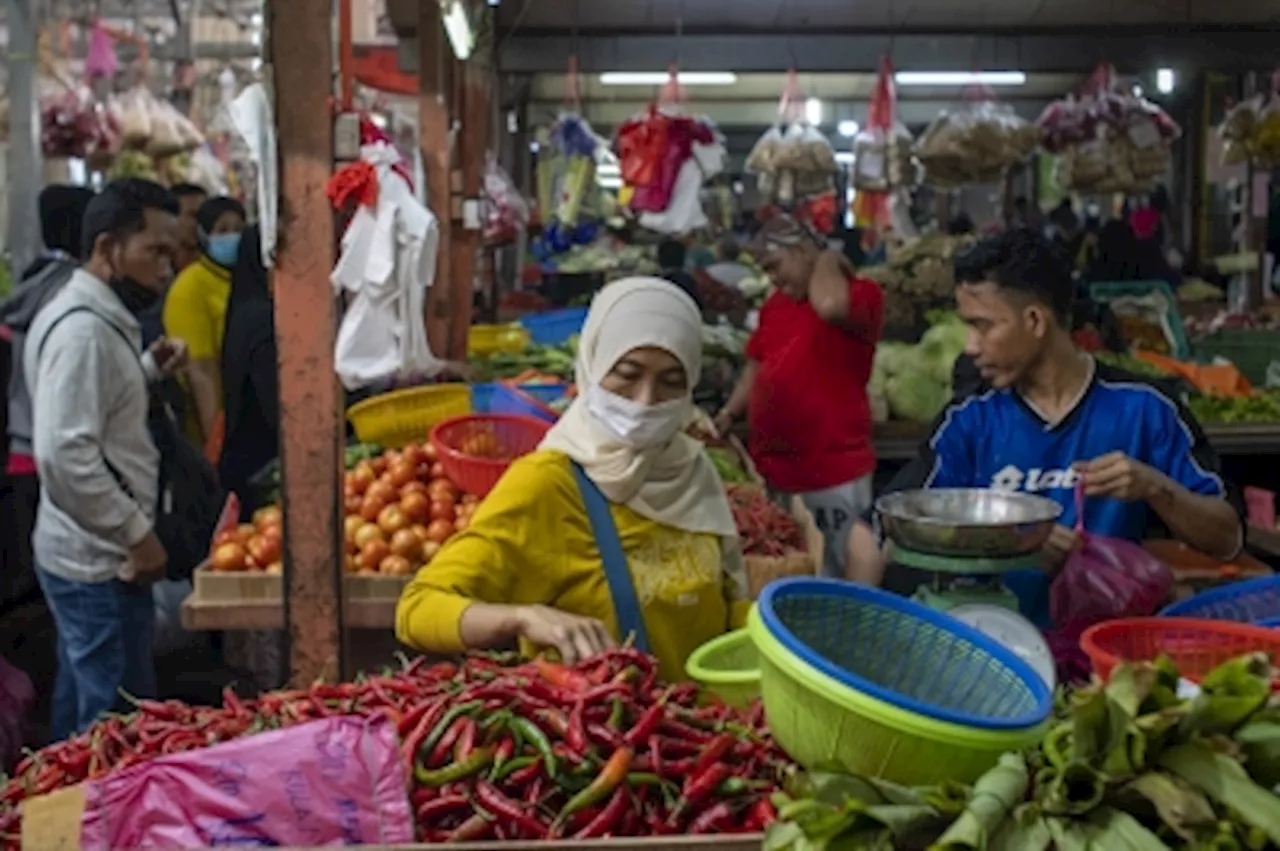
<point x="995" y="439"/>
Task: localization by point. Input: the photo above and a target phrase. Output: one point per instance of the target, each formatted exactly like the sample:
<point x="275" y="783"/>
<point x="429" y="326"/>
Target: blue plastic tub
<point x="482" y="398"/>
<point x="556" y="327"/>
<point x="1254" y="601"/>
<point x="515" y="402"/>
<point x="546" y="393"/>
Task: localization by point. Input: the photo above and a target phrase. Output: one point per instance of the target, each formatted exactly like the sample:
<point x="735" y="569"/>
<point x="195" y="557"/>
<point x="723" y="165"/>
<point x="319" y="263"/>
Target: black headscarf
<point x="250" y="320"/>
<point x="61" y="225"/>
<point x="212" y="210"/>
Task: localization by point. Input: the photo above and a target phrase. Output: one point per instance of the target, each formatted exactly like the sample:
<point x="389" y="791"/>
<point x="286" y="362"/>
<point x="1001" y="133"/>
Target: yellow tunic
<point x="531" y="543"/>
<point x="195" y="311"/>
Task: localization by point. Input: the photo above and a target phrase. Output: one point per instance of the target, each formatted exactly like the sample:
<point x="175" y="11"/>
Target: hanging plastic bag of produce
<point x="136" y="108"/>
<point x="387" y="264"/>
<point x="337" y="781"/>
<point x="505" y="210"/>
<point x="976" y="143"/>
<point x="74" y="125"/>
<point x="1106" y="578"/>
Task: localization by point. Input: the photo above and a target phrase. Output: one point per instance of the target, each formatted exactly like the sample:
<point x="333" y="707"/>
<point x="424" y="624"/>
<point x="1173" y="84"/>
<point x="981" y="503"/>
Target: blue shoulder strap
<point x="626" y="605"/>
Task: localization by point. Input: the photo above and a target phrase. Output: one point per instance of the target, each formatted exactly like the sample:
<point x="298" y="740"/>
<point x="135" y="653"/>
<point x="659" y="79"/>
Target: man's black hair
<point x="187" y="190"/>
<point x="120" y="209"/>
<point x="62" y="210"/>
<point x="671" y="254"/>
<point x="1024" y="261"/>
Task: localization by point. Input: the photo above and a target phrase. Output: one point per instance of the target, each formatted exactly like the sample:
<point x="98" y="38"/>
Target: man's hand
<point x="723" y="423"/>
<point x="573" y="636"/>
<point x="147" y="560"/>
<point x="170" y="355"/>
<point x="1118" y="476"/>
<point x="1062" y="541"/>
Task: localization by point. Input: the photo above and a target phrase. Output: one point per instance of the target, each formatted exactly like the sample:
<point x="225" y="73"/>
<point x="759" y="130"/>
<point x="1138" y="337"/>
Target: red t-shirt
<point x="809" y="414"/>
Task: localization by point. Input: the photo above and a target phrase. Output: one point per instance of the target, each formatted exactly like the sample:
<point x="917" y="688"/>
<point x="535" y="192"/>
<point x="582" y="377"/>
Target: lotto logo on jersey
<point x="1034" y="480"/>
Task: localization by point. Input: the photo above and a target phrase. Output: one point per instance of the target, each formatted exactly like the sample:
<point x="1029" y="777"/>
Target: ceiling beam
<point x="1134" y="51"/>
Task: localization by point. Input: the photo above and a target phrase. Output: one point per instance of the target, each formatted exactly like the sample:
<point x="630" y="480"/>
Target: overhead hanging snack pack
<point x="793" y="160"/>
<point x="1109" y="139"/>
<point x="1251" y="130"/>
<point x="975" y="144"/>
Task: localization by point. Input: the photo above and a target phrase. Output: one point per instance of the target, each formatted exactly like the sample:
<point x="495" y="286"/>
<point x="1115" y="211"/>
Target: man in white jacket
<point x="95" y="548"/>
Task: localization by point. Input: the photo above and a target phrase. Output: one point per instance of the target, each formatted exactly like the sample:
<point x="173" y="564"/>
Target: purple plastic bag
<point x="1105" y="579"/>
<point x="338" y="781"/>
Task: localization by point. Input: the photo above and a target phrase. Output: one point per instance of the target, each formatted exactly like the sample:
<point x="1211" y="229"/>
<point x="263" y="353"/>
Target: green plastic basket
<point x="825" y="725"/>
<point x="728" y="667"/>
<point x="1251" y="351"/>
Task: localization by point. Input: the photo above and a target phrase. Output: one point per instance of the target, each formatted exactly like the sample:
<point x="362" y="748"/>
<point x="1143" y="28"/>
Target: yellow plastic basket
<point x="485" y="340"/>
<point x="822" y="723"/>
<point x="407" y="416"/>
<point x="729" y="667"/>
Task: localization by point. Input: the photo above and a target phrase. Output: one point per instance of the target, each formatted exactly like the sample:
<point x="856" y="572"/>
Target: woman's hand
<point x="573" y="636"/>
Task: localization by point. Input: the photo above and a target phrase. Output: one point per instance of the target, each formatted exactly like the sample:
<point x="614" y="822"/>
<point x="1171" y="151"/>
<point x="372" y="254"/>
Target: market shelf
<point x="217" y="615"/>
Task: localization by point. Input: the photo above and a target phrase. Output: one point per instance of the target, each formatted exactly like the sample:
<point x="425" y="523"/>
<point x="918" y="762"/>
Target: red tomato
<point x="400" y="474"/>
<point x="229" y="557"/>
<point x="405" y="543"/>
<point x="437" y="470"/>
<point x="264" y="550"/>
<point x="413" y="487"/>
<point x="416" y="506"/>
<point x="439" y="531"/>
<point x="429" y="452"/>
<point x="269" y="516"/>
<point x="441" y="510"/>
<point x="411" y="455"/>
<point x="442" y="490"/>
<point x="371" y="508"/>
<point x="361" y="477"/>
<point x="392" y="519"/>
<point x="372" y="554"/>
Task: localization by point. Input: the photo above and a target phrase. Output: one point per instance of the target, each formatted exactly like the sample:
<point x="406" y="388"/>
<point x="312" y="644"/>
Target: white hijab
<point x="673" y="484"/>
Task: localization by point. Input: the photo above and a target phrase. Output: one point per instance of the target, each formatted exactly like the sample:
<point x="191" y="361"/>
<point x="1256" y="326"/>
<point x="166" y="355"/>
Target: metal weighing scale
<point x="966" y="540"/>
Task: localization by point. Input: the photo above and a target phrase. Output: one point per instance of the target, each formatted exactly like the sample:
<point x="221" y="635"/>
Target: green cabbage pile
<point x="913" y="382"/>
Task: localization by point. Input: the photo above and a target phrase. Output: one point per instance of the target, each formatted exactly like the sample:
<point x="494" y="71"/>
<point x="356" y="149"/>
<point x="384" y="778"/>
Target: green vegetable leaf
<point x="1225" y="781"/>
<point x="1182" y="808"/>
<point x="1026" y="831"/>
<point x="1230" y="694"/>
<point x="1261" y="743"/>
<point x="1110" y="828"/>
<point x="1067" y="835"/>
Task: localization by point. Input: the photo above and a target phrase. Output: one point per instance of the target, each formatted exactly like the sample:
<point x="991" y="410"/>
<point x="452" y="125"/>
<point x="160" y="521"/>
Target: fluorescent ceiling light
<point x="848" y="129"/>
<point x="844" y="157"/>
<point x="661" y="78"/>
<point x="609" y="182"/>
<point x="458" y="27"/>
<point x="608" y="169"/>
<point x="813" y="111"/>
<point x="1165" y="81"/>
<point x="960" y="78"/>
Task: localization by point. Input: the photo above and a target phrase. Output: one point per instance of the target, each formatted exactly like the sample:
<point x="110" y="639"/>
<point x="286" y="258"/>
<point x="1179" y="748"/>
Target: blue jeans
<point x="105" y="636"/>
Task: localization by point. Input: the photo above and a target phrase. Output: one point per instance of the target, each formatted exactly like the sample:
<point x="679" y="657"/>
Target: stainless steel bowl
<point x="970" y="522"/>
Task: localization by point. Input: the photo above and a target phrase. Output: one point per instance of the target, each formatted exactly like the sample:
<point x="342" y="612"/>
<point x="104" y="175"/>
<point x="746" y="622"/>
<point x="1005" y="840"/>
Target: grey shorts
<point x="834" y="512"/>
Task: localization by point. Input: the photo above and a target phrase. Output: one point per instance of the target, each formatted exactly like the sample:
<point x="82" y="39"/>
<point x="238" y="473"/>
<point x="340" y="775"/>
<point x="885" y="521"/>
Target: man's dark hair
<point x="671" y="254"/>
<point x="188" y="190"/>
<point x="120" y="209"/>
<point x="1024" y="261"/>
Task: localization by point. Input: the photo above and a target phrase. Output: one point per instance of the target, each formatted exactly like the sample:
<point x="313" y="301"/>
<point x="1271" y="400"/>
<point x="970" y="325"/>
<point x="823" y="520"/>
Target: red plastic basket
<point x="476" y="450"/>
<point x="1195" y="646"/>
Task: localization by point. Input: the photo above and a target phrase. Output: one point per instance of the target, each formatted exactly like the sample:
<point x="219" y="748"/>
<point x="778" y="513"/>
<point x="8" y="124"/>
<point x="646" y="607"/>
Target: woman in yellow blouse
<point x="195" y="310"/>
<point x="617" y="525"/>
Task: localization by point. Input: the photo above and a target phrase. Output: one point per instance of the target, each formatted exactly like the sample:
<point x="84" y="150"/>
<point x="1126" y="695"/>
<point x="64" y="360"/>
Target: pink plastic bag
<point x="338" y="781"/>
<point x="1105" y="579"/>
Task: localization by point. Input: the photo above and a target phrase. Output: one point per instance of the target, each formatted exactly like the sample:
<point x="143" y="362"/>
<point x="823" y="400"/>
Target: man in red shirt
<point x="804" y="387"/>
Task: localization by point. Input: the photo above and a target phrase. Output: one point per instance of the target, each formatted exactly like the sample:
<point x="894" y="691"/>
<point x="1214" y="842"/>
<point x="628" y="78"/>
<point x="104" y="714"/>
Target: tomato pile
<point x="400" y="509"/>
<point x="255" y="546"/>
<point x="492" y="748"/>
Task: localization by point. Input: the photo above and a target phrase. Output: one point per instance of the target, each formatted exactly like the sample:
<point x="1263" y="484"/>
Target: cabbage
<point x="939" y="348"/>
<point x="893" y="358"/>
<point x="915" y="397"/>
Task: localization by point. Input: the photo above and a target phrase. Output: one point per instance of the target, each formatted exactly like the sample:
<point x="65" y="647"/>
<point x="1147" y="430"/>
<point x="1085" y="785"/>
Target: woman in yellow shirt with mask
<point x="617" y="525"/>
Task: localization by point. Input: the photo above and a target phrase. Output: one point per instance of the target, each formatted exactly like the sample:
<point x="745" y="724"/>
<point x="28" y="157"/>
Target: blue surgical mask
<point x="223" y="248"/>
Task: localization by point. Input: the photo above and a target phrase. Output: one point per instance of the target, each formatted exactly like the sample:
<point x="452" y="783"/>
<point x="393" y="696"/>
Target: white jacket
<point x="88" y="383"/>
<point x="388" y="264"/>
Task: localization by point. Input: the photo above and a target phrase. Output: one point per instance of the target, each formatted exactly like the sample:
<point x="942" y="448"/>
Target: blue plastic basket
<point x="546" y="392"/>
<point x="1254" y="601"/>
<point x="555" y="327"/>
<point x="515" y="402"/>
<point x="905" y="654"/>
<point x="482" y="397"/>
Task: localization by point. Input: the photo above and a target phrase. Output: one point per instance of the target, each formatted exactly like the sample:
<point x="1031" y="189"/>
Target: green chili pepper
<point x="531" y="733"/>
<point x="511" y="766"/>
<point x="616" y="715"/>
<point x="475" y="763"/>
<point x="613" y="774"/>
<point x="445" y="722"/>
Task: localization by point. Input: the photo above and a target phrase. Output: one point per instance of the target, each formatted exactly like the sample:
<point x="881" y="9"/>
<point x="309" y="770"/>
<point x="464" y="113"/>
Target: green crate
<point x="1251" y="351"/>
<point x="1105" y="292"/>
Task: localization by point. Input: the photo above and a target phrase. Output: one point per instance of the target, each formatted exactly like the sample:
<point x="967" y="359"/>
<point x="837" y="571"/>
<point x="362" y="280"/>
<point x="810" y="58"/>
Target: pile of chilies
<point x="494" y="748"/>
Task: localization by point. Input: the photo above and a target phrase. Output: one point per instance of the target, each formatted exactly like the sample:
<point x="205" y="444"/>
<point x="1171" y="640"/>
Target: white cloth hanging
<point x="388" y="264"/>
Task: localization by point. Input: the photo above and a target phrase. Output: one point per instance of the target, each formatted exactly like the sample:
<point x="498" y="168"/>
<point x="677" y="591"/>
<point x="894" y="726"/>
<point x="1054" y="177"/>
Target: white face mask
<point x="636" y="424"/>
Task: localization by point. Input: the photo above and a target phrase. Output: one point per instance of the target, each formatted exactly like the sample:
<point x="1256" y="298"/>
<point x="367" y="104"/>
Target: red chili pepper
<point x="684" y="731"/>
<point x="492" y="800"/>
<point x="714" y="752"/>
<point x="553" y="721"/>
<point x="526" y="775"/>
<point x="762" y="814"/>
<point x="476" y="827"/>
<point x="466" y="741"/>
<point x="446" y="805"/>
<point x="440" y="753"/>
<point x="655" y="754"/>
<point x="561" y="676"/>
<point x="699" y="787"/>
<point x="576" y="735"/>
<point x="602" y="735"/>
<point x="645" y="727"/>
<point x="713" y="820"/>
<point x="609" y="817"/>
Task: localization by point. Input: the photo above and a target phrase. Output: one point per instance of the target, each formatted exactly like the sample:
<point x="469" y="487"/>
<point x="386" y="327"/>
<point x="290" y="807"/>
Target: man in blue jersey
<point x="1046" y="416"/>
